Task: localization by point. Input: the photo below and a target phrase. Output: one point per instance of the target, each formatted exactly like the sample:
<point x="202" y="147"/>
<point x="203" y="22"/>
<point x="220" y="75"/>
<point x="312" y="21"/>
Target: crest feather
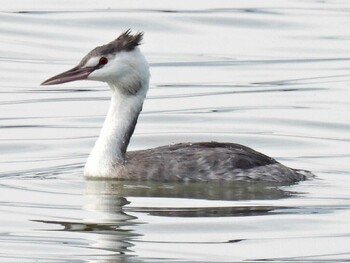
<point x="125" y="42"/>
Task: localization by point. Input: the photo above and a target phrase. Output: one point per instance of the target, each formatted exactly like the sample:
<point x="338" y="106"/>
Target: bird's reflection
<point x="227" y="191"/>
<point x="109" y="194"/>
<point x="113" y="223"/>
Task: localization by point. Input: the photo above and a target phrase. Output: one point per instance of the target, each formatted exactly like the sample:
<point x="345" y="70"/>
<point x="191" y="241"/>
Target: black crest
<point x="125" y="42"/>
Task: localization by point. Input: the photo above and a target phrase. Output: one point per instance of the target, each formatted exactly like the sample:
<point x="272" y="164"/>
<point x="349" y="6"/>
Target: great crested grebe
<point x="121" y="64"/>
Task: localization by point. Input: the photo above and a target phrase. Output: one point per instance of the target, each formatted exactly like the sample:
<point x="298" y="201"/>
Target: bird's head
<point x="119" y="63"/>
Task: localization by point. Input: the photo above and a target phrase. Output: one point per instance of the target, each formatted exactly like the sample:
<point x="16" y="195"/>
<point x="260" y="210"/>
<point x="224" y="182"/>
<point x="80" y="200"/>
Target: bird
<point x="122" y="65"/>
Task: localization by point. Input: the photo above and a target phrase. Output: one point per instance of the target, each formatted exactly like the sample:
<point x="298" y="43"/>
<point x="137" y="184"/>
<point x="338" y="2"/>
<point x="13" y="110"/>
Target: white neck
<point x="110" y="148"/>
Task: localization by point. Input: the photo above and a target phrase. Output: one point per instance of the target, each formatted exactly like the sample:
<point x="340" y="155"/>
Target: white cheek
<point x="111" y="72"/>
<point x="101" y="74"/>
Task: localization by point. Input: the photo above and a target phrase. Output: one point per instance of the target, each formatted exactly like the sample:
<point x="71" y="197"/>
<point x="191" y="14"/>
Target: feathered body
<point x="206" y="161"/>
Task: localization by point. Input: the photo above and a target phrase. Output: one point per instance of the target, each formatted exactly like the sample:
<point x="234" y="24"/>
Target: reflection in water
<point x="114" y="229"/>
<point x="104" y="191"/>
<point x="196" y="190"/>
<point x="111" y="223"/>
<point x="110" y="226"/>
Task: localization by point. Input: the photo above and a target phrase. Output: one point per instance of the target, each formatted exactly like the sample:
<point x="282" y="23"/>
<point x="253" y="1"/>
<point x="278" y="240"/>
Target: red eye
<point x="103" y="61"/>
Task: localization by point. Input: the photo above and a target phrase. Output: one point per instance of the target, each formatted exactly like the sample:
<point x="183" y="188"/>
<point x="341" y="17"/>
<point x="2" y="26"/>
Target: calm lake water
<point x="272" y="75"/>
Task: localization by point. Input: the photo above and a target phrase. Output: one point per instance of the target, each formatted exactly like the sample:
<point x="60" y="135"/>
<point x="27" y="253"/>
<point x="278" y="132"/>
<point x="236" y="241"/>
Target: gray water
<point x="272" y="75"/>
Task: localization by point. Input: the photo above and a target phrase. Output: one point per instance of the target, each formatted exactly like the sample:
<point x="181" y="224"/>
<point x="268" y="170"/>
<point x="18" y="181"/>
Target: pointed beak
<point x="73" y="74"/>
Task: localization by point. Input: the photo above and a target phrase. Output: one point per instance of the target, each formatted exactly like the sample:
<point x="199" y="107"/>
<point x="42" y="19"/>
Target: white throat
<point x="110" y="148"/>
